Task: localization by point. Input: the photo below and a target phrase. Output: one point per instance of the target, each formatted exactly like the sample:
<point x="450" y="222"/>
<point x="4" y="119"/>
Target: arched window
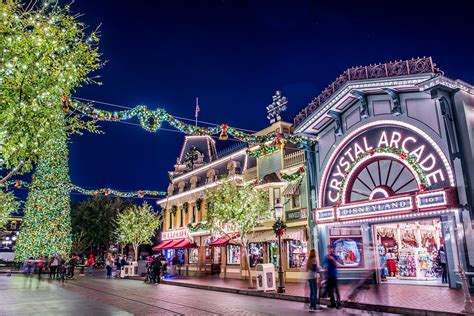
<point x="181" y="216"/>
<point x="171" y="220"/>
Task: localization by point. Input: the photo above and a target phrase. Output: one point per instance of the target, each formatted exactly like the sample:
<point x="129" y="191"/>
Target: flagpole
<point x="196" y="111"/>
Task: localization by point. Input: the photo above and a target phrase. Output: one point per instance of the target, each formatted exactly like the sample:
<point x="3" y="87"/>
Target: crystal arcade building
<point x="393" y="171"/>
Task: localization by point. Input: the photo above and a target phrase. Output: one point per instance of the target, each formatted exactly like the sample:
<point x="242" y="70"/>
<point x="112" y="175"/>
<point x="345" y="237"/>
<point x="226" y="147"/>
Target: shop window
<point x="193" y="255"/>
<point x="194" y="215"/>
<point x="276" y="195"/>
<point x="347" y="243"/>
<point x="255" y="253"/>
<point x="297" y="252"/>
<point x="180" y="253"/>
<point x="295" y="201"/>
<point x="273" y="253"/>
<point x="233" y="254"/>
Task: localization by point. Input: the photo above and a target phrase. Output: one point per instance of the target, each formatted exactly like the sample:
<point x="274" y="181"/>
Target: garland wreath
<point x="402" y="155"/>
<point x="197" y="227"/>
<point x="279" y="227"/>
<point x="294" y="176"/>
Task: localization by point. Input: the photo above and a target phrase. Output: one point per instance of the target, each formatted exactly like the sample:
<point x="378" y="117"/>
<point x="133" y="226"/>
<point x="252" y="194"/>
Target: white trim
<point x="198" y="189"/>
<point x="209" y="165"/>
<point x="378" y="190"/>
<point x="391" y="218"/>
<point x="357" y="131"/>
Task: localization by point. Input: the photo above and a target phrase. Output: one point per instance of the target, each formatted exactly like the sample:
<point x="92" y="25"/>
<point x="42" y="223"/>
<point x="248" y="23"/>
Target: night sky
<point x="233" y="55"/>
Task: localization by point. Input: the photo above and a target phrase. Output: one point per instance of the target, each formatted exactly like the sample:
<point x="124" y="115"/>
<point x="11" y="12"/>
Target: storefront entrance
<point x="410" y="252"/>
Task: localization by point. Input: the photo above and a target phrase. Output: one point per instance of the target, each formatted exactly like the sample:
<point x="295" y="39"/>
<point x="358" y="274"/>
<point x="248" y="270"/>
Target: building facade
<point x="198" y="170"/>
<point x="393" y="177"/>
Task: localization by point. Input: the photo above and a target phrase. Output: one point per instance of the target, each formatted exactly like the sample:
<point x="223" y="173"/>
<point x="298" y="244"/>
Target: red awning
<point x="184" y="243"/>
<point x="223" y="240"/>
<point x="174" y="244"/>
<point x="162" y="245"/>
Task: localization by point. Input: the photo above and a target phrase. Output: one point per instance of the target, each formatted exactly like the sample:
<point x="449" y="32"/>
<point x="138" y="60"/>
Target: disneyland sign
<point x="417" y="144"/>
<point x="388" y="206"/>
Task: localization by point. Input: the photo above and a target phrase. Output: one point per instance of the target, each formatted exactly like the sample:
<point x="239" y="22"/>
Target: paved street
<point x="21" y="295"/>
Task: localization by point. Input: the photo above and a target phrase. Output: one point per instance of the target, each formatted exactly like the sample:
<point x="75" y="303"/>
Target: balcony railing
<point x="293" y="159"/>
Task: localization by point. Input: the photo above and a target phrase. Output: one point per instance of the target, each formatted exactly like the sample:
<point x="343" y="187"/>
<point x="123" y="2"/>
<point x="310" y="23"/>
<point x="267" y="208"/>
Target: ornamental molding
<point x="446" y="82"/>
<point x="305" y="125"/>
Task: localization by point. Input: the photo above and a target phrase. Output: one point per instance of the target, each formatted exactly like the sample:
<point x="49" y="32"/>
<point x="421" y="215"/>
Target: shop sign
<point x="396" y="135"/>
<point x="300" y="214"/>
<point x="373" y="208"/>
<point x="175" y="234"/>
<point x="432" y="199"/>
<point x="326" y="214"/>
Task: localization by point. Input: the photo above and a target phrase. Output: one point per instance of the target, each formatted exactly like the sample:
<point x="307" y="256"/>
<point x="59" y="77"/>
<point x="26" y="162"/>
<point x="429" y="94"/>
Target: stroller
<point x="149" y="276"/>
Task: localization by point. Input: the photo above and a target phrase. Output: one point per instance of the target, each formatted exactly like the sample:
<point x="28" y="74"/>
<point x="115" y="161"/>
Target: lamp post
<point x="278" y="228"/>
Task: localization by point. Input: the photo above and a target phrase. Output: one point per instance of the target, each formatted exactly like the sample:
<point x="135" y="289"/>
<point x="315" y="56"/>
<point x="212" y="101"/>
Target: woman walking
<point x="109" y="263"/>
<point x="312" y="268"/>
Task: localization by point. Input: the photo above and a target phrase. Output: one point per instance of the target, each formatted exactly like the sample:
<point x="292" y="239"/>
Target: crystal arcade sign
<point x="385" y="134"/>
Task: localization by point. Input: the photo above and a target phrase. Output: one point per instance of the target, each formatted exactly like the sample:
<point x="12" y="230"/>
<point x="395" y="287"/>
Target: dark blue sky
<point x="234" y="55"/>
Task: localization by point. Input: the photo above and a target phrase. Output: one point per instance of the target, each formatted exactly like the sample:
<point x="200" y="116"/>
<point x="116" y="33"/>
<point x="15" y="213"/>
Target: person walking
<point x="442" y="264"/>
<point x="40" y="266"/>
<point x="53" y="267"/>
<point x="109" y="263"/>
<point x="156" y="270"/>
<point x="90" y="264"/>
<point x="330" y="262"/>
<point x="117" y="266"/>
<point x="73" y="262"/>
<point x="312" y="275"/>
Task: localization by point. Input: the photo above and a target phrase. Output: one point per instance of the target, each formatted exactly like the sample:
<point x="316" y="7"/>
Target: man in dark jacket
<point x="156" y="270"/>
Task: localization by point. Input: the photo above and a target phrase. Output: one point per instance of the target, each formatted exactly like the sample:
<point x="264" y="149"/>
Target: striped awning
<point x="293" y="188"/>
<point x="295" y="233"/>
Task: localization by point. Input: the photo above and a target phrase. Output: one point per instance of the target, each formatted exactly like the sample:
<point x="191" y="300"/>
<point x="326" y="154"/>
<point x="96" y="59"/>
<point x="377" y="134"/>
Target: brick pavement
<point x="419" y="297"/>
<point x="22" y="295"/>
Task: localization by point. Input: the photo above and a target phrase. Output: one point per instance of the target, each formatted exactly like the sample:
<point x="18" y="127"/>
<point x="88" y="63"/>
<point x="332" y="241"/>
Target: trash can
<point x="266" y="277"/>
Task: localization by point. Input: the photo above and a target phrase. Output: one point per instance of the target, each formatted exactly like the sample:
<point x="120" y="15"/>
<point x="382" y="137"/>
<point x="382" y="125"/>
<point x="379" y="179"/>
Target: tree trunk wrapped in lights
<point x="46" y="227"/>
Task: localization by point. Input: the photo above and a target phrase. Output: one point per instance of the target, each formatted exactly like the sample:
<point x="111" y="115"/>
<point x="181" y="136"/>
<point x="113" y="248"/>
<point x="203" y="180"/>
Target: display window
<point x="233" y="254"/>
<point x="180" y="253"/>
<point x="216" y="257"/>
<point x="348" y="246"/>
<point x="297" y="253"/>
<point x="411" y="251"/>
<point x="273" y="253"/>
<point x="256" y="253"/>
<point x="193" y="255"/>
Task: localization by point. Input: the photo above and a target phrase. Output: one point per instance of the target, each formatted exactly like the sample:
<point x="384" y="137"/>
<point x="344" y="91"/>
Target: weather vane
<point x="278" y="105"/>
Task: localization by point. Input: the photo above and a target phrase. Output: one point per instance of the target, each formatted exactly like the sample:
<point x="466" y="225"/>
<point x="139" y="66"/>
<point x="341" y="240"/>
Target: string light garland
<point x="152" y="120"/>
<point x="263" y="150"/>
<point x="103" y="191"/>
<point x="402" y="155"/>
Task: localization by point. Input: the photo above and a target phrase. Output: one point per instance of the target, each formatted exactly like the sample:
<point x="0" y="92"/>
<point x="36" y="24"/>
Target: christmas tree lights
<point x="46" y="227"/>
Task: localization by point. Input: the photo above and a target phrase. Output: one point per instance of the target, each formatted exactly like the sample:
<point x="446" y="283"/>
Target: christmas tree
<point x="46" y="228"/>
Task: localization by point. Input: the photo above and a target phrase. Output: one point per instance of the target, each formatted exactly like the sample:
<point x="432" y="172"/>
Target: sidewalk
<point x="389" y="298"/>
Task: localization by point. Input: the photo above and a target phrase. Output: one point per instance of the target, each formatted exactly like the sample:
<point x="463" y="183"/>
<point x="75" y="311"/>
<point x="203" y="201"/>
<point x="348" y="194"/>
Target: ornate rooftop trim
<point x="386" y="70"/>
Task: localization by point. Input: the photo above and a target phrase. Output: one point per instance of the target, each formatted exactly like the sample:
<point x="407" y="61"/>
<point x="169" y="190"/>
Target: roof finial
<point x="276" y="107"/>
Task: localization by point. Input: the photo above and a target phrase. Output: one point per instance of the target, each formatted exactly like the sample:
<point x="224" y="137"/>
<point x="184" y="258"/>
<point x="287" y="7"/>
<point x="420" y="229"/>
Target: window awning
<point x="293" y="188"/>
<point x="295" y="233"/>
<point x="161" y="245"/>
<point x="223" y="240"/>
<point x="174" y="244"/>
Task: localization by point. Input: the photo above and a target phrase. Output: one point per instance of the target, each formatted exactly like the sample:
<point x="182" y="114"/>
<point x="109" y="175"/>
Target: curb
<point x="295" y="298"/>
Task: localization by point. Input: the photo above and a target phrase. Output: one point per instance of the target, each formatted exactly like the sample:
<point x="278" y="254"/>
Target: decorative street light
<point x="279" y="228"/>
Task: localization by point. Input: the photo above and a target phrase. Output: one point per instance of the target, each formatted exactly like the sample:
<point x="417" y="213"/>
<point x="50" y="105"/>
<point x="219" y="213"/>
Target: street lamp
<point x="279" y="229"/>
